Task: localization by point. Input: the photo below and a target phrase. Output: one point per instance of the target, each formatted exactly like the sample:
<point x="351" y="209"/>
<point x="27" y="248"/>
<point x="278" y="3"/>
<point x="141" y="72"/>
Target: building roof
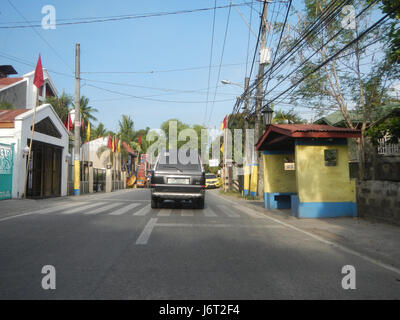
<point x="5" y="82"/>
<point x="7" y="117"/>
<point x="7" y="70"/>
<point x="277" y="133"/>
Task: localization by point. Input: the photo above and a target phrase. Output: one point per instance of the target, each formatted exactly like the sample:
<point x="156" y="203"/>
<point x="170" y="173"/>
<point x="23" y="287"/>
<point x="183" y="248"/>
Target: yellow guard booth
<point x="306" y="169"/>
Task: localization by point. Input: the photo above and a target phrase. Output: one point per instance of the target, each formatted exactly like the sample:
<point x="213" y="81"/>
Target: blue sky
<point x="157" y="43"/>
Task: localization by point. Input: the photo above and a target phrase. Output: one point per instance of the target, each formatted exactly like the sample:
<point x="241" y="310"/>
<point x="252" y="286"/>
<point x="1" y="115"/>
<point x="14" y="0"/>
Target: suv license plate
<point x="178" y="181"/>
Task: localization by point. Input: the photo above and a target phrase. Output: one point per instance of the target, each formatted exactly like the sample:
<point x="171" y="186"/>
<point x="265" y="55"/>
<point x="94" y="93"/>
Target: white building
<point x="49" y="158"/>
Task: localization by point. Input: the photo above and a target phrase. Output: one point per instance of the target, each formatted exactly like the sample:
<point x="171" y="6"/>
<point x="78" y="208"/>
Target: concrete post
<point x="90" y="179"/>
<point x="124" y="178"/>
<point x="109" y="180"/>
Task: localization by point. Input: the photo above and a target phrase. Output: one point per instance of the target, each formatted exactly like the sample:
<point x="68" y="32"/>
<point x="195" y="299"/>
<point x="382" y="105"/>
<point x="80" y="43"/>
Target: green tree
<point x="99" y="131"/>
<point x="341" y="82"/>
<point x="61" y="105"/>
<point x="281" y="116"/>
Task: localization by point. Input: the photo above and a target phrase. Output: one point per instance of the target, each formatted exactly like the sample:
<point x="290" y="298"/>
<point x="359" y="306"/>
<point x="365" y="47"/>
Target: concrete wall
<point x="379" y="200"/>
<point x="323" y="191"/>
<point x="276" y="178"/>
<point x="319" y="183"/>
<point x="16" y="95"/>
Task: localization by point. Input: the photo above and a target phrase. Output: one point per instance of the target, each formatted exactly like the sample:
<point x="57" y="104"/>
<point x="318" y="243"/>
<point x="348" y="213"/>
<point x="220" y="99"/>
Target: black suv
<point x="172" y="180"/>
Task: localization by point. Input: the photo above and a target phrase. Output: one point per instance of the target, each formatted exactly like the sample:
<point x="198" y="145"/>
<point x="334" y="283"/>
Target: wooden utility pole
<point x="77" y="127"/>
<point x="259" y="97"/>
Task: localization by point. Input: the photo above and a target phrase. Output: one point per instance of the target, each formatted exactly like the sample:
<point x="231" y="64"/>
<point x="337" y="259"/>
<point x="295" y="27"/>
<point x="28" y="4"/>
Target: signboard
<point x="213" y="162"/>
<point x="290" y="166"/>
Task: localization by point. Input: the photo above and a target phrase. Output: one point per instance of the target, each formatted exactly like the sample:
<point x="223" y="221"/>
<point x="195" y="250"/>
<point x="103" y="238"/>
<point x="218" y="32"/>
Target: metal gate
<point x="6" y="170"/>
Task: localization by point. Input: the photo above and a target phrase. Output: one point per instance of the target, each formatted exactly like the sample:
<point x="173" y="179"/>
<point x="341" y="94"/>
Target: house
<point x="48" y="169"/>
<point x="20" y="92"/>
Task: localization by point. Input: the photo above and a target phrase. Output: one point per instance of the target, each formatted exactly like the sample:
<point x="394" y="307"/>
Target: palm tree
<point x="286" y="117"/>
<point x="86" y="114"/>
<point x="60" y="104"/>
<point x="100" y="131"/>
<point x="126" y="126"/>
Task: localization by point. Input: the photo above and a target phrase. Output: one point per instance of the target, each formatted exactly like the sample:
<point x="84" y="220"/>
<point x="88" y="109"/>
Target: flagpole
<point x="30" y="142"/>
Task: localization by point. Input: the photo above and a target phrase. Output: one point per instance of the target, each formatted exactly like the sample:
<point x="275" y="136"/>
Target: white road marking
<point x="145" y="235"/>
<point x="219" y="225"/>
<point x="208" y="212"/>
<point x="124" y="209"/>
<point x="228" y="211"/>
<point x="102" y="209"/>
<point x="142" y="212"/>
<point x="165" y="213"/>
<point x="83" y="208"/>
<point x="187" y="213"/>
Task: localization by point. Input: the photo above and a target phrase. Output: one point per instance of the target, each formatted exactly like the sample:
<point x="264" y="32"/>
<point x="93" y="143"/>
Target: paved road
<point x="114" y="246"/>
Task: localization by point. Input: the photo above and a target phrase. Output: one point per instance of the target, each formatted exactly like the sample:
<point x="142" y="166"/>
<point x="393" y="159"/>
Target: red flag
<point x="82" y="125"/>
<point x="38" y="80"/>
<point x="109" y="145"/>
<point x="224" y="123"/>
<point x="68" y="122"/>
<point x="115" y="144"/>
<point x="140" y="140"/>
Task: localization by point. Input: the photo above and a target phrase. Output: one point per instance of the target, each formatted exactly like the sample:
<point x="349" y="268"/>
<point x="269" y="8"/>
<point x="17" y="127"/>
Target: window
<point x="330" y="157"/>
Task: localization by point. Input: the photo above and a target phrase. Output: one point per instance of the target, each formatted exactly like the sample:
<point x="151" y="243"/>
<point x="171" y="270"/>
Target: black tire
<point x="154" y="203"/>
<point x="200" y="203"/>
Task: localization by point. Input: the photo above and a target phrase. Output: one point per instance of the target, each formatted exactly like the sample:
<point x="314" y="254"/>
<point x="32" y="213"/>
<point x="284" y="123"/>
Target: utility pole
<point x="77" y="120"/>
<point x="264" y="56"/>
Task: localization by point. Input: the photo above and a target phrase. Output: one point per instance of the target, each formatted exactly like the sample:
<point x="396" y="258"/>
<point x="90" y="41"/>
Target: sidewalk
<point x="379" y="241"/>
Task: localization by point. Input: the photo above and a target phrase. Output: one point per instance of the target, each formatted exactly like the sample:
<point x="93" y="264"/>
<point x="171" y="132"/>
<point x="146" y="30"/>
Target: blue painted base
<point x="277" y="200"/>
<point x="253" y="194"/>
<point x="323" y="209"/>
<point x="77" y="192"/>
<point x="245" y="192"/>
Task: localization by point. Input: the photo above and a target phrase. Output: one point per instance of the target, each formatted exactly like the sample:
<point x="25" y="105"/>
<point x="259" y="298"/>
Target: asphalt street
<point x="114" y="246"/>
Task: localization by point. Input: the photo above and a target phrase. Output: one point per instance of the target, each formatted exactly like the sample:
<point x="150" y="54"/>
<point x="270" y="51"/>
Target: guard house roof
<point x="283" y="136"/>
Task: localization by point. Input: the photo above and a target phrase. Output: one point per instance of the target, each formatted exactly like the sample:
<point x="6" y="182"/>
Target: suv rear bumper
<point x="177" y="195"/>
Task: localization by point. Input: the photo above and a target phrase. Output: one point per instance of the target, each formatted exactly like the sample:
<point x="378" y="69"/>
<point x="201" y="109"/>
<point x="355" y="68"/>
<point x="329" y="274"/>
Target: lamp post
<point x="232" y="83"/>
<point x="267" y="115"/>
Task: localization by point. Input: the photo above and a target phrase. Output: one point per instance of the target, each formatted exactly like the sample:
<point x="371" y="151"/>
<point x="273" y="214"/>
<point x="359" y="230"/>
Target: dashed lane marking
<point x="142" y="212"/>
<point x="83" y="208"/>
<point x="124" y="209"/>
<point x="102" y="209"/>
<point x="165" y="213"/>
<point x="145" y="235"/>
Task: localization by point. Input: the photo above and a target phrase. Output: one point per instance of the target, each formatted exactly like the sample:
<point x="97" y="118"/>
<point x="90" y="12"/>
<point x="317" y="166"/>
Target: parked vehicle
<point x="212" y="181"/>
<point x="172" y="180"/>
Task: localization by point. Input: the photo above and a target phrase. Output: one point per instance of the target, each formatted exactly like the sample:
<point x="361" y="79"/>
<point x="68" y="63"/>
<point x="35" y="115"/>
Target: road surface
<point x="114" y="246"/>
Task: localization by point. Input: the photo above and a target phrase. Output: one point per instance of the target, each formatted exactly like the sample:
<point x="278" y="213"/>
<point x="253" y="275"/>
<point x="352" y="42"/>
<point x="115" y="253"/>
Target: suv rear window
<point x="165" y="164"/>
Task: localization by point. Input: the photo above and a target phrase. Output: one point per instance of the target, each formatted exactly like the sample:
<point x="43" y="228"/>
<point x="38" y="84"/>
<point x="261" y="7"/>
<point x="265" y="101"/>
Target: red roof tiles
<point x="5" y="82"/>
<point x="307" y="131"/>
<point x="7" y="117"/>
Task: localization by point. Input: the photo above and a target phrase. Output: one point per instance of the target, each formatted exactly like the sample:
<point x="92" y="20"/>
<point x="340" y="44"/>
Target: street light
<point x="267" y="115"/>
<point x="232" y="83"/>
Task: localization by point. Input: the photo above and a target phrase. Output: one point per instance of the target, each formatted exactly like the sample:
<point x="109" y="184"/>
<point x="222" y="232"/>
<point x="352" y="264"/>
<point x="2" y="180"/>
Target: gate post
<point x="109" y="180"/>
<point x="90" y="178"/>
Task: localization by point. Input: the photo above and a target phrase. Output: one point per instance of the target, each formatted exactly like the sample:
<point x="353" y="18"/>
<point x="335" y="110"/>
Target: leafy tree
<point x="392" y="7"/>
<point x="61" y="105"/>
<point x="341" y="83"/>
<point x="281" y="116"/>
<point x="99" y="131"/>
